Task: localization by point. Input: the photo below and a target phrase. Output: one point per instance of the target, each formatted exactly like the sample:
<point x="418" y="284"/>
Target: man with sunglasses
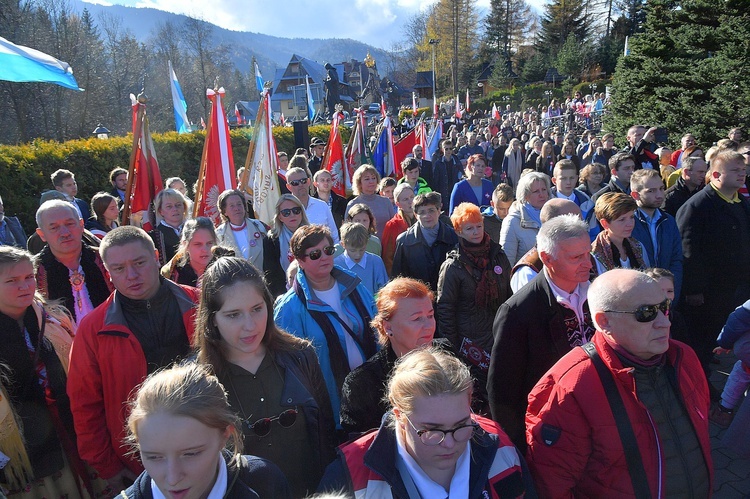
<point x="317" y="210"/>
<point x="626" y="412"/>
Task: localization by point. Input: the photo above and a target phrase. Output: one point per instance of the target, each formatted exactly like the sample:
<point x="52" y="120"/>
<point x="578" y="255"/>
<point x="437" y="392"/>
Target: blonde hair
<point x="427" y="372"/>
<point x="357" y="179"/>
<point x="188" y="390"/>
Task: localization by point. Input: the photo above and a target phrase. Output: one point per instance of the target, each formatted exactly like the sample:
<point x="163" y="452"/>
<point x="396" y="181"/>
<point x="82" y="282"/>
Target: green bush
<point x="26" y="169"/>
<point x="407" y="113"/>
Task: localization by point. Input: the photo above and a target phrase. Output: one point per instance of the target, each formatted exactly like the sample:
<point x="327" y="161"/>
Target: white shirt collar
<point x="572" y="196"/>
<point x="351" y="263"/>
<point x="459" y="487"/>
<point x="217" y="491"/>
<point x="574" y="300"/>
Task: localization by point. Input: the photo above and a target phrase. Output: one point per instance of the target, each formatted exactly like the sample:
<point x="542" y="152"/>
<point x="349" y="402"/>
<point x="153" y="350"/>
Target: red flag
<point x="217" y="163"/>
<point x="421" y="138"/>
<point x="238" y="115"/>
<point x="414" y="104"/>
<point x="458" y="108"/>
<point x="402" y="147"/>
<point x="467" y="100"/>
<point x="333" y="159"/>
<point x="496" y="113"/>
<point x="283" y="121"/>
<point x="382" y="107"/>
<point x="356" y="150"/>
<point x="144" y="178"/>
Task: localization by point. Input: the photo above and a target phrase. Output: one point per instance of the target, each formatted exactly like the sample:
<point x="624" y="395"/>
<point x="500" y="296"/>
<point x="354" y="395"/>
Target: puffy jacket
<point x="366" y="467"/>
<point x="415" y="259"/>
<point x="585" y="457"/>
<point x="668" y="255"/>
<point x="291" y="315"/>
<point x="518" y="234"/>
<point x="737" y="325"/>
<point x="422" y="186"/>
<point x="106" y="364"/>
<point x="253" y="478"/>
<point x="457" y="314"/>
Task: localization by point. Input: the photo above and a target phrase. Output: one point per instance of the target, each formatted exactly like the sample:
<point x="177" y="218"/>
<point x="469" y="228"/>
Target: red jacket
<point x="587" y="459"/>
<point x="106" y="364"/>
<point x="393" y="228"/>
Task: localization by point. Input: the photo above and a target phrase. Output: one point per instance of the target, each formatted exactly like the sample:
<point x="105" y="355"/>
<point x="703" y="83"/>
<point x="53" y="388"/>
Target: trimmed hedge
<point x="25" y="169"/>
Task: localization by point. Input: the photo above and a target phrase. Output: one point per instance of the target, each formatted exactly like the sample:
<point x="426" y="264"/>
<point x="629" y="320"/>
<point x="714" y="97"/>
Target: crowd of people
<point x="503" y="321"/>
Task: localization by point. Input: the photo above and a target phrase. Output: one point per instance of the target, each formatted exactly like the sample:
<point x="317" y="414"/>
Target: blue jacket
<point x="668" y="254"/>
<point x="738" y="324"/>
<point x="463" y="193"/>
<point x="292" y="316"/>
<point x="13" y="228"/>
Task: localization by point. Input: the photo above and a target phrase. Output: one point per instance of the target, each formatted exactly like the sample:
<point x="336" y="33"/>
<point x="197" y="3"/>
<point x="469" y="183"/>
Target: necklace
<point x="77" y="280"/>
<point x="238" y="228"/>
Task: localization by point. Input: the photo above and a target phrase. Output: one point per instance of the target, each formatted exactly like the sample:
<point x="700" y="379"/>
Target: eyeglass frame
<point x="638" y="312"/>
<point x="270" y="420"/>
<point x="316" y="254"/>
<point x="296" y="210"/>
<point x="452" y="431"/>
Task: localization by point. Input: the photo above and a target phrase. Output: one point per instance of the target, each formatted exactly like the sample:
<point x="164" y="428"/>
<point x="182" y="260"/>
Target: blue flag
<point x="259" y="83"/>
<point x="179" y="104"/>
<point x="24" y="64"/>
<point x="434" y="138"/>
<point x="382" y="157"/>
<point x="310" y="102"/>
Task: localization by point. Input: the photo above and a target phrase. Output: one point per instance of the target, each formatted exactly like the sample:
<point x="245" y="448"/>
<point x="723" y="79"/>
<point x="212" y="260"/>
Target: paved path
<point x="732" y="474"/>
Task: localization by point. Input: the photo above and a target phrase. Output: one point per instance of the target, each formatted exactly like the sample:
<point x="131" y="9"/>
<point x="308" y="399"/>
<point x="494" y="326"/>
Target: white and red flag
<point x="422" y="139"/>
<point x="459" y="114"/>
<point x="414" y="104"/>
<point x="467" y="101"/>
<point x="383" y="107"/>
<point x="496" y="113"/>
<point x="144" y="178"/>
<point x="357" y="152"/>
<point x="238" y="115"/>
<point x="260" y="179"/>
<point x="217" y="171"/>
<point x="333" y="159"/>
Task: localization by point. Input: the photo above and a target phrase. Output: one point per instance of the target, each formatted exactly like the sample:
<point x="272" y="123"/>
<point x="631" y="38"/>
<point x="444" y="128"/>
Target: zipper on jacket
<point x="658" y="450"/>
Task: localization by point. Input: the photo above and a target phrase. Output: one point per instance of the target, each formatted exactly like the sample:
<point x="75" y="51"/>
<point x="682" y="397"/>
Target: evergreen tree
<point x="686" y="71"/>
<point x="506" y="25"/>
<point x="561" y="19"/>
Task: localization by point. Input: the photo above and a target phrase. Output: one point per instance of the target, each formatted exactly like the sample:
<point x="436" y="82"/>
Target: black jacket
<point x="254" y="478"/>
<point x="436" y="177"/>
<point x="415" y="259"/>
<point x="457" y="314"/>
<point x="612" y="186"/>
<point x="676" y="196"/>
<point x="530" y="337"/>
<point x="272" y="269"/>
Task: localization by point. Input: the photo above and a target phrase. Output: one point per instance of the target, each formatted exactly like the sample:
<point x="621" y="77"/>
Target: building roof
<point x="424" y="79"/>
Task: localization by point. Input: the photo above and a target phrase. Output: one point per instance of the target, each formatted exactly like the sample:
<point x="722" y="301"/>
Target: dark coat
<point x="415" y="259"/>
<point x="84" y="207"/>
<point x="676" y="196"/>
<point x="612" y="186"/>
<point x="715" y="244"/>
<point x="272" y="269"/>
<point x="338" y="208"/>
<point x="254" y="478"/>
<point x="167" y="241"/>
<point x="436" y="177"/>
<point x="530" y="336"/>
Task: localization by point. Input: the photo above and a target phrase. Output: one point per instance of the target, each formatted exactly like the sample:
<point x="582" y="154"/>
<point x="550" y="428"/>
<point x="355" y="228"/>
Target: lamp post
<point x="433" y="42"/>
<point x="548" y="93"/>
<point x="101" y="132"/>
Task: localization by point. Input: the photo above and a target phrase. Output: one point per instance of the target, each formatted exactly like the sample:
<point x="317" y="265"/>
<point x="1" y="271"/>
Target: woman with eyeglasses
<point x="329" y="306"/>
<point x="290" y="216"/>
<point x="189" y="442"/>
<point x="430" y="444"/>
<point x="273" y="379"/>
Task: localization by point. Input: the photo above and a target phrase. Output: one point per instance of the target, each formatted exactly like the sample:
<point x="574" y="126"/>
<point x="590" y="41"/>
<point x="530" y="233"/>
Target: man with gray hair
<point x="626" y="414"/>
<point x="542" y="322"/>
<point x="145" y="325"/>
<point x="692" y="178"/>
<point x="67" y="268"/>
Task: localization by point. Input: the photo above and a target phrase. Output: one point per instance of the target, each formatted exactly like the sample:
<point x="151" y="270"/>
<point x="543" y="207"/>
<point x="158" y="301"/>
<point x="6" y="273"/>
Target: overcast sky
<point x="377" y="22"/>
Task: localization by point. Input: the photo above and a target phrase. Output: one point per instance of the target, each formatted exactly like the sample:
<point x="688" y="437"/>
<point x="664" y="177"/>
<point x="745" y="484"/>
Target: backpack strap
<point x="624" y="428"/>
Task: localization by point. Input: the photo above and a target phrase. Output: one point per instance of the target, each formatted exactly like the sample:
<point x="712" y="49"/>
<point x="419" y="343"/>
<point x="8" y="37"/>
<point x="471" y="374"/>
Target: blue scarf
<point x="534" y="214"/>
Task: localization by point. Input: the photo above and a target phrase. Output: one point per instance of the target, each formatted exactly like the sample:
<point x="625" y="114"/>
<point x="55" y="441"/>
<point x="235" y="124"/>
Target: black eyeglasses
<point x="262" y="427"/>
<point x="460" y="433"/>
<point x="296" y="210"/>
<point x="295" y="183"/>
<point x="316" y="254"/>
<point x="647" y="313"/>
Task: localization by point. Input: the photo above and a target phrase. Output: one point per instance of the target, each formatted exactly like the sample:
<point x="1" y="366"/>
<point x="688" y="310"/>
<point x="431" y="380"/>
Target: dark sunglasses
<point x="647" y="313"/>
<point x="296" y="210"/>
<point x="262" y="427"/>
<point x="316" y="254"/>
<point x="295" y="183"/>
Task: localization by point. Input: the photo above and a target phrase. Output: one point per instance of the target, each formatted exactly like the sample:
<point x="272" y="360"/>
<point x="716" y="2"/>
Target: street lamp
<point x="593" y="87"/>
<point x="548" y="93"/>
<point x="101" y="132"/>
<point x="433" y="42"/>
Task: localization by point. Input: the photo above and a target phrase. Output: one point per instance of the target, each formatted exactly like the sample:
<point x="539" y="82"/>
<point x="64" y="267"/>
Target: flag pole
<point x="202" y="171"/>
<point x="131" y="168"/>
<point x="251" y="148"/>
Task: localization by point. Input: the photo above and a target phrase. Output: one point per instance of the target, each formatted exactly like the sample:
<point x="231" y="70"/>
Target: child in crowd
<point x="502" y="198"/>
<point x="368" y="266"/>
<point x="362" y="214"/>
<point x="734" y="336"/>
<point x="385" y="188"/>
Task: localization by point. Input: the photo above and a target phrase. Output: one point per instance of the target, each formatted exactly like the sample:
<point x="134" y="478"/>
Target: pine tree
<point x="686" y="71"/>
<point x="506" y="25"/>
<point x="561" y="19"/>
